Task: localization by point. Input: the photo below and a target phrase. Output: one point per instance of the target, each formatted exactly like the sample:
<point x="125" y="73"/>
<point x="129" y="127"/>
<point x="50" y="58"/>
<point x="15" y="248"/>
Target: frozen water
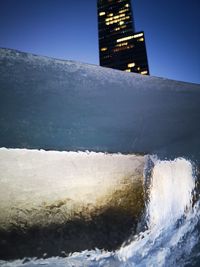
<point x="64" y="105"/>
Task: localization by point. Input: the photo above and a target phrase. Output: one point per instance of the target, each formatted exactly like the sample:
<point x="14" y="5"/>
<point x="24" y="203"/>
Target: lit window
<point x="123" y="10"/>
<point x="116" y="19"/>
<point x="127" y="5"/>
<point x="125" y="38"/>
<point x="138" y="35"/>
<point x="128" y="70"/>
<point x="117" y="29"/>
<point x="110" y="15"/>
<point x="141" y="39"/>
<point x="138" y="68"/>
<point x="102" y="14"/>
<point x="122" y="44"/>
<point x="122" y="48"/>
<point x="104" y="49"/>
<point x="144" y="72"/>
<point x="131" y="65"/>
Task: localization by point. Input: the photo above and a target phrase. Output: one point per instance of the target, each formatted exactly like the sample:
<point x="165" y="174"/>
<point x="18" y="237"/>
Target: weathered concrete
<point x="66" y="201"/>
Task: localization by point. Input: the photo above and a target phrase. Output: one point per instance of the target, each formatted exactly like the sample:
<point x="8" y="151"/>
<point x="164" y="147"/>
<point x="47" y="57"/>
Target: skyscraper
<point x="120" y="47"/>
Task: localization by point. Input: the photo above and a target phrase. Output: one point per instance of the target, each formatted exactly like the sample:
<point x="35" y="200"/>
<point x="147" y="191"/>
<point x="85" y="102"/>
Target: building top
<point x="120" y="47"/>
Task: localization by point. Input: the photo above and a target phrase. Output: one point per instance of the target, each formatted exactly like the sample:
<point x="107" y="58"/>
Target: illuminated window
<point x="104" y="49"/>
<point x="128" y="70"/>
<point x="141" y="39"/>
<point x="144" y="72"/>
<point x="138" y="35"/>
<point x="127" y="5"/>
<point x="123" y="11"/>
<point x="125" y="38"/>
<point x="122" y="44"/>
<point x="110" y="15"/>
<point x="102" y="14"/>
<point x="129" y="37"/>
<point x="116" y="19"/>
<point x="131" y="65"/>
<point x="122" y="48"/>
<point x="138" y="68"/>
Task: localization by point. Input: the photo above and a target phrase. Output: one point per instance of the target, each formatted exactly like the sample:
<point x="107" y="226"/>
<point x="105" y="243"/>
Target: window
<point x="144" y="72"/>
<point x="131" y="65"/>
<point x="125" y="38"/>
<point x="138" y="35"/>
<point x="102" y="13"/>
<point x="104" y="49"/>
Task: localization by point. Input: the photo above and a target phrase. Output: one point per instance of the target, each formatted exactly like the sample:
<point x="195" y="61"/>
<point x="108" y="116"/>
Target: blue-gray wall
<point x="65" y="105"/>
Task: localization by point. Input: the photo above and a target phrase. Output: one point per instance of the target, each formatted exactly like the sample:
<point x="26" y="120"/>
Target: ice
<point x="65" y="105"/>
<point x="52" y="201"/>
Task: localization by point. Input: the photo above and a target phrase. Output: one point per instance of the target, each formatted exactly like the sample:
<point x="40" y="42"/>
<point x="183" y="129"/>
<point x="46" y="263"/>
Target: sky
<point x="67" y="29"/>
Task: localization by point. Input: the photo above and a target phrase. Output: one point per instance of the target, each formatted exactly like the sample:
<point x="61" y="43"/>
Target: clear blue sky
<point x="67" y="29"/>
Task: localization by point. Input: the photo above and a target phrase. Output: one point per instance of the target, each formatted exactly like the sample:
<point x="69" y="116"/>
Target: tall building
<point x="120" y="46"/>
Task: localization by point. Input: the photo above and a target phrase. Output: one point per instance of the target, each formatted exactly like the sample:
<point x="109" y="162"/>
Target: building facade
<point x="120" y="46"/>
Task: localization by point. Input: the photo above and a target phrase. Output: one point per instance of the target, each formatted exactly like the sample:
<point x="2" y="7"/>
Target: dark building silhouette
<point x="120" y="47"/>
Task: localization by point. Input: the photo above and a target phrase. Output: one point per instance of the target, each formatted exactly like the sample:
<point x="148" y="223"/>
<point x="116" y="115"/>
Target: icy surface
<point x="74" y="184"/>
<point x="65" y="105"/>
<point x="169" y="240"/>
